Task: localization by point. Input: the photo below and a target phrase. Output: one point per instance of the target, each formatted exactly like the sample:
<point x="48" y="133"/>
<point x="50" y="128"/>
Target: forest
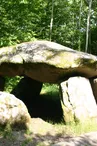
<point x="72" y="23"/>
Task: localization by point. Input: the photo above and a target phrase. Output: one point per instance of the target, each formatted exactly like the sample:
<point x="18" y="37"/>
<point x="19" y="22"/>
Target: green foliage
<point x="25" y="20"/>
<point x="93" y="44"/>
<point x="10" y="83"/>
<point x="50" y="89"/>
<point x="16" y="22"/>
<point x="6" y="131"/>
<point x="26" y="142"/>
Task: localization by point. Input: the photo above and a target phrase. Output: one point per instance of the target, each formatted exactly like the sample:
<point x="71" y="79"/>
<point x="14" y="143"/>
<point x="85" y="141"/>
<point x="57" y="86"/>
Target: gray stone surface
<point x="13" y="112"/>
<point x="46" y="62"/>
<point x="89" y="139"/>
<point x="94" y="87"/>
<point x="78" y="99"/>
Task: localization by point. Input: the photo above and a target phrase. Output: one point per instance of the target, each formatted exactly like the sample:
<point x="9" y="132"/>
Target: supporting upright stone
<point x="94" y="87"/>
<point x="2" y="83"/>
<point x="26" y="89"/>
<point x="77" y="100"/>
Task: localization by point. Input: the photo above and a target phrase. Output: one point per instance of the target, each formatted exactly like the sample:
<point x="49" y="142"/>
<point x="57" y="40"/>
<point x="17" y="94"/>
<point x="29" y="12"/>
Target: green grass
<point x="87" y="126"/>
<point x="6" y="132"/>
<point x="76" y="129"/>
<point x="81" y="128"/>
<point x="26" y="142"/>
<point x="51" y="90"/>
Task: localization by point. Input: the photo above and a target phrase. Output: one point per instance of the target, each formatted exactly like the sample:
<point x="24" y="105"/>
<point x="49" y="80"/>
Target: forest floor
<point x="47" y="134"/>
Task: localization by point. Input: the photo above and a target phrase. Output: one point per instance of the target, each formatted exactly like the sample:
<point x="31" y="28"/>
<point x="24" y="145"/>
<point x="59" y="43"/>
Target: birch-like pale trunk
<point x="88" y="26"/>
<point x="80" y="11"/>
<point x="51" y="22"/>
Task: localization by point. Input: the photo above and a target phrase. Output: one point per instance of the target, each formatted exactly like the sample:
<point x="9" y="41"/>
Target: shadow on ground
<point x="46" y="107"/>
<point x="21" y="139"/>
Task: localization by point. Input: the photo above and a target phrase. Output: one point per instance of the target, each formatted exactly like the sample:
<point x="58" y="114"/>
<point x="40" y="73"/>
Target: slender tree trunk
<point x="51" y="23"/>
<point x="79" y="41"/>
<point x="88" y="26"/>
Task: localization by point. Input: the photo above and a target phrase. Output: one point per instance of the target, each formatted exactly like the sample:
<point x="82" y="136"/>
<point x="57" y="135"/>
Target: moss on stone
<point x="62" y="59"/>
<point x="88" y="62"/>
<point x="68" y="116"/>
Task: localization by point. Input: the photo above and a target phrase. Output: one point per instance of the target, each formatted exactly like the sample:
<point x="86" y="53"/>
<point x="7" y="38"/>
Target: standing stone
<point x="94" y="87"/>
<point x="2" y="83"/>
<point x="77" y="100"/>
<point x="27" y="89"/>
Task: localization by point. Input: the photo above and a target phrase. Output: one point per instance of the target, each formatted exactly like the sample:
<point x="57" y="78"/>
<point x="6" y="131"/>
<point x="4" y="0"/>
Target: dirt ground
<point x="45" y="134"/>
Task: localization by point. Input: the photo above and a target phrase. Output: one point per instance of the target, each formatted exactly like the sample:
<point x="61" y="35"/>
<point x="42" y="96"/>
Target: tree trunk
<point x="88" y="26"/>
<point x="51" y="23"/>
<point x="79" y="41"/>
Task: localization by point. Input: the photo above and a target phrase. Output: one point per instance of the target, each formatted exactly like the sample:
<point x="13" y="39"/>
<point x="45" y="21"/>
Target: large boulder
<point x="46" y="62"/>
<point x="94" y="87"/>
<point x="13" y="112"/>
<point x="78" y="101"/>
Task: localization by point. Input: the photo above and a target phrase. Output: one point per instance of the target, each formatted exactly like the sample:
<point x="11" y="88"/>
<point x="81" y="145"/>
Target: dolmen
<point x="48" y="62"/>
